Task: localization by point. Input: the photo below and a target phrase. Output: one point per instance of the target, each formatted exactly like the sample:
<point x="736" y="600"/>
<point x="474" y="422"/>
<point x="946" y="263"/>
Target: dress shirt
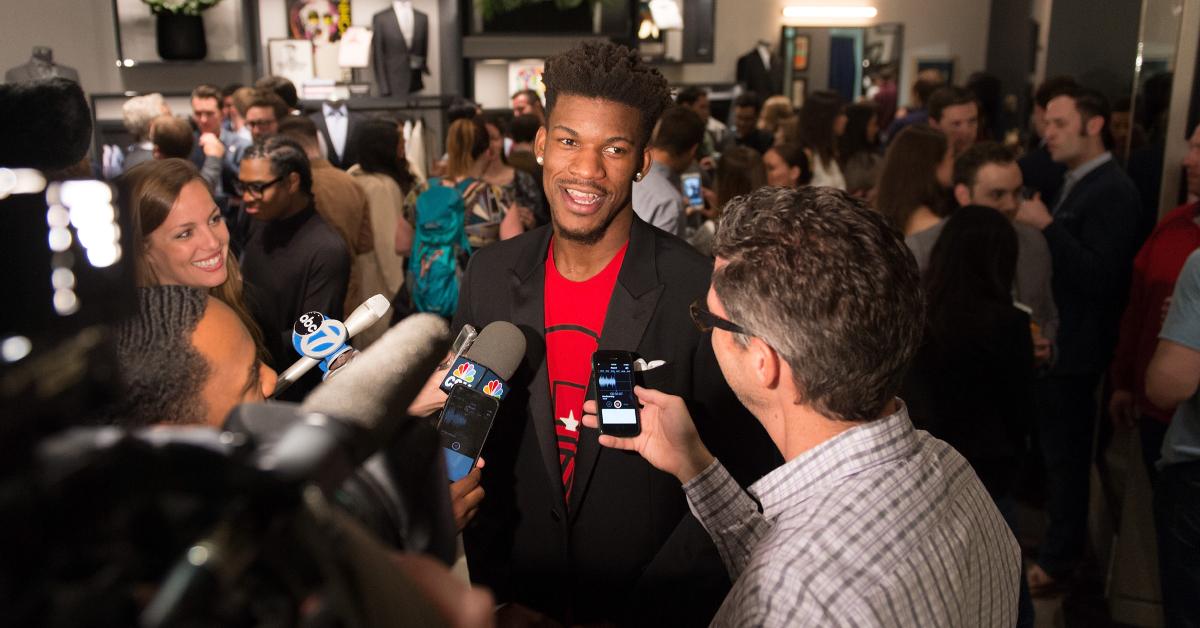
<point x="1074" y="176"/>
<point x="658" y="201"/>
<point x="882" y="525"/>
<point x="337" y="121"/>
<point x="404" y="15"/>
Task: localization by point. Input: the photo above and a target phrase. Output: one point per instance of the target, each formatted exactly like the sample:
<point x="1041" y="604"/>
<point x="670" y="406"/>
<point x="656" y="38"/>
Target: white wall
<point x="932" y="28"/>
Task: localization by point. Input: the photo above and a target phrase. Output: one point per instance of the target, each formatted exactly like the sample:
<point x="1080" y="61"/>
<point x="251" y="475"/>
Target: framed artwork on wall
<point x="945" y="65"/>
<point x="799" y="53"/>
<point x="292" y="59"/>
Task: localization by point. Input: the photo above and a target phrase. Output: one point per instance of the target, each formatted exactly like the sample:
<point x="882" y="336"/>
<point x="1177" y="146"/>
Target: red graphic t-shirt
<point x="574" y="319"/>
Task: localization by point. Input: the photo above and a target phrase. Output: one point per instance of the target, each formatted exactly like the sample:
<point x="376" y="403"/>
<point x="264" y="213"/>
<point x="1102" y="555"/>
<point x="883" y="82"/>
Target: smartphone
<point x="612" y="375"/>
<point x="691" y="189"/>
<point x="466" y="420"/>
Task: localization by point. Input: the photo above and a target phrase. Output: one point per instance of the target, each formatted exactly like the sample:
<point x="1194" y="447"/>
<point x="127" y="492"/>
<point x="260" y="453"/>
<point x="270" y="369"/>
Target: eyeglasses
<point x="706" y="320"/>
<point x="255" y="188"/>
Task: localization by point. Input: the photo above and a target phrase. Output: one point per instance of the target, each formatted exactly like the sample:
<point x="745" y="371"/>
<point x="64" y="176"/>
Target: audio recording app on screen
<point x="614" y="384"/>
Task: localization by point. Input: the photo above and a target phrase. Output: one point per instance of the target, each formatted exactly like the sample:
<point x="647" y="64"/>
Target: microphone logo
<point x="465" y="372"/>
<point x="318" y="337"/>
<point x="494" y="388"/>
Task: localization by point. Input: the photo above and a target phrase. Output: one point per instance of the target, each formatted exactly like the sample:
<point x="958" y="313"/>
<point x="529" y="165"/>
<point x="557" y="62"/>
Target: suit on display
<point x="39" y="67"/>
<point x="340" y="146"/>
<point x="757" y="76"/>
<point x="399" y="49"/>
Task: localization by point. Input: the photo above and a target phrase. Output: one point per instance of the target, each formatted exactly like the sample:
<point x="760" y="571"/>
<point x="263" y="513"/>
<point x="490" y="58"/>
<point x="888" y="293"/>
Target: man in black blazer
<point x="1092" y="232"/>
<point x="573" y="532"/>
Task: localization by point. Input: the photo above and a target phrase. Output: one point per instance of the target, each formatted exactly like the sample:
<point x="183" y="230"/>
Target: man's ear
<point x="646" y="160"/>
<point x="765" y="362"/>
<point x="1095" y="125"/>
<point x="293" y="180"/>
<point x="539" y="142"/>
<point x="962" y="195"/>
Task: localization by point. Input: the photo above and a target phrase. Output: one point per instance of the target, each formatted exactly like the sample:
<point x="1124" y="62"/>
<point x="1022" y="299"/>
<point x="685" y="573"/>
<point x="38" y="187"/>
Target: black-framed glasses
<point x="255" y="188"/>
<point x="706" y="320"/>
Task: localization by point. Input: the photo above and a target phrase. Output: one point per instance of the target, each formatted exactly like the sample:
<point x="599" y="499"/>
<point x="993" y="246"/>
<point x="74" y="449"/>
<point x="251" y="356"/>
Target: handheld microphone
<point x="321" y="339"/>
<point x="490" y="362"/>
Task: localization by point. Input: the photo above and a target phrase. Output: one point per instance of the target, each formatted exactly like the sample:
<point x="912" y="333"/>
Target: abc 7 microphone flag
<point x="321" y="338"/>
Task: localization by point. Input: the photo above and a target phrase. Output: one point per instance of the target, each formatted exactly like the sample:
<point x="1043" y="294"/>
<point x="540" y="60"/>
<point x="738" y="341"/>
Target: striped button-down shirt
<point x="882" y="525"/>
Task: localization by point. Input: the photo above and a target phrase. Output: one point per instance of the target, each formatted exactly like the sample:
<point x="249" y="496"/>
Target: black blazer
<point x="757" y="78"/>
<point x="627" y="549"/>
<point x="1092" y="240"/>
<point x="398" y="63"/>
<point x="349" y="155"/>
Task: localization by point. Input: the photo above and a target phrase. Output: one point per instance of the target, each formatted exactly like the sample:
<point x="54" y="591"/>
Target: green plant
<point x="179" y="7"/>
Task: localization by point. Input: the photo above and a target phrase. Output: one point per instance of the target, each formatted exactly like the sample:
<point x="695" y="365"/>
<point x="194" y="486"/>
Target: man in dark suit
<point x="1092" y="232"/>
<point x="399" y="49"/>
<point x="571" y="531"/>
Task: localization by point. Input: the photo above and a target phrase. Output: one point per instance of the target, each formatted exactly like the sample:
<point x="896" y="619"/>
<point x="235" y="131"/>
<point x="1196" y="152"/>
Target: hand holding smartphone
<point x="617" y="406"/>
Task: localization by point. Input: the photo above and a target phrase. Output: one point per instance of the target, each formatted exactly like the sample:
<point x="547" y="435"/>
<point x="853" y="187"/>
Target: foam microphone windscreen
<point x="499" y="347"/>
<point x="383" y="380"/>
<point x="46" y="124"/>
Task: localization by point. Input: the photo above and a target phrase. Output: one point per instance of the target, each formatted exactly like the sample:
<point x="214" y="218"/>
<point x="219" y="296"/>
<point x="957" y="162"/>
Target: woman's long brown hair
<point x="148" y="192"/>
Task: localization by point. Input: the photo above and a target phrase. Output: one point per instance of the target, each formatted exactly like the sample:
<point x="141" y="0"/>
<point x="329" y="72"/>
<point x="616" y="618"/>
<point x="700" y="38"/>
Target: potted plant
<point x="180" y="29"/>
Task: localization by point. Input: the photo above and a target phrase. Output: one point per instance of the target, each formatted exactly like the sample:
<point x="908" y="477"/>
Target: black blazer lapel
<point x="633" y="303"/>
<point x="528" y="279"/>
<point x="330" y="153"/>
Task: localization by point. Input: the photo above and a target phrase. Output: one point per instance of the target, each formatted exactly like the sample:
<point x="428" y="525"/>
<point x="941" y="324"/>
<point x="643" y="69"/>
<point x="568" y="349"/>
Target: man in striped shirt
<point x="869" y="522"/>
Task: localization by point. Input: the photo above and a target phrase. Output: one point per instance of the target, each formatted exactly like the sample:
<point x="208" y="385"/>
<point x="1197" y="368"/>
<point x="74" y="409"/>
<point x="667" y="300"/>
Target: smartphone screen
<point x="691" y="189"/>
<point x="613" y="374"/>
<point x="466" y="420"/>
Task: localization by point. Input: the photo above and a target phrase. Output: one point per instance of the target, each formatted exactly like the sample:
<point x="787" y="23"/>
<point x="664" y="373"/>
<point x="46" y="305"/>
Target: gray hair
<point x="138" y="112"/>
<point x="162" y="373"/>
<point x="830" y="286"/>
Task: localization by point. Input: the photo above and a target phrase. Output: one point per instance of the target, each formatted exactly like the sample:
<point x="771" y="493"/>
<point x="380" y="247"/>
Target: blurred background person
<point x="858" y="148"/>
<point x="821" y="123"/>
<point x="787" y="165"/>
<point x="745" y="124"/>
<point x="914" y="178"/>
<point x="775" y="111"/>
<point x="137" y="115"/>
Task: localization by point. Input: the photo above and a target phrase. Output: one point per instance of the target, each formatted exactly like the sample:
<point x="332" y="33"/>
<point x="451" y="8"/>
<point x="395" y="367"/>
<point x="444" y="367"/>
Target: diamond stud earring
<point x="541" y="161"/>
<point x="637" y="176"/>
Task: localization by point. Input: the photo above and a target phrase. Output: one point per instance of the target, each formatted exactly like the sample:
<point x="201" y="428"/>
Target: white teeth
<point x="583" y="198"/>
<point x="209" y="263"/>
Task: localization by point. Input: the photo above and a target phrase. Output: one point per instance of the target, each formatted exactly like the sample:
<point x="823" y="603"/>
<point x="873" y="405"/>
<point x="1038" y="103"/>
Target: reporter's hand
<point x="669" y="440"/>
<point x="465" y="495"/>
<point x="212" y="145"/>
<point x="1120" y="409"/>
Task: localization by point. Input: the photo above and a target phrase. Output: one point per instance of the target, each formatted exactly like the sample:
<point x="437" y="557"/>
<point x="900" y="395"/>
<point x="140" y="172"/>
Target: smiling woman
<point x="182" y="235"/>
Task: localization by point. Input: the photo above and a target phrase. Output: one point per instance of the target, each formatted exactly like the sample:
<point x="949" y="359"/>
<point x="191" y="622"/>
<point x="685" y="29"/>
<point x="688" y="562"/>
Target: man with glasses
<point x="293" y="261"/>
<point x="817" y="313"/>
<point x="264" y="113"/>
<point x="580" y="534"/>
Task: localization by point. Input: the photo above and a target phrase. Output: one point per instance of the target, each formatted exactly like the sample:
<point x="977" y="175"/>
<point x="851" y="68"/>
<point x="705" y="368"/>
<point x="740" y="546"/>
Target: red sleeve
<point x="1125" y="358"/>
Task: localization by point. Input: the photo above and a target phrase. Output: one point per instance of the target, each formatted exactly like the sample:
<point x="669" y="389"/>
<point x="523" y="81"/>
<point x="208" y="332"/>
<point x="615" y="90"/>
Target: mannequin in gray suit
<point x="399" y="49"/>
<point x="40" y="66"/>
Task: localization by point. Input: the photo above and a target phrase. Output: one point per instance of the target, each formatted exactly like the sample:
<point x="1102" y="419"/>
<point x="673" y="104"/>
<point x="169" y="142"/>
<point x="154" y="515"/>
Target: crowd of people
<point x="871" y="323"/>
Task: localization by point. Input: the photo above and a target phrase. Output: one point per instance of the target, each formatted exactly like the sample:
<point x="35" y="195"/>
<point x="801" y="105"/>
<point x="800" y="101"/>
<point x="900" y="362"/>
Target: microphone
<point x="321" y="339"/>
<point x="490" y="362"/>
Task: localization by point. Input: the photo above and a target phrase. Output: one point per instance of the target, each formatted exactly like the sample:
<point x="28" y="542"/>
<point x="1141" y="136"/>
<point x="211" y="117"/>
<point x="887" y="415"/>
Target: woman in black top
<point x="971" y="383"/>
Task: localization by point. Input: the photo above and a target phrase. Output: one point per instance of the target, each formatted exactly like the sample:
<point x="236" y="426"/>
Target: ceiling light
<point x="810" y="12"/>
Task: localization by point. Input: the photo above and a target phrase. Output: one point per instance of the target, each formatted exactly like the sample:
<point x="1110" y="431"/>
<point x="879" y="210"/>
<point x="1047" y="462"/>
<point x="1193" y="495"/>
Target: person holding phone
<point x="566" y="530"/>
<point x="659" y="195"/>
<point x="816" y="311"/>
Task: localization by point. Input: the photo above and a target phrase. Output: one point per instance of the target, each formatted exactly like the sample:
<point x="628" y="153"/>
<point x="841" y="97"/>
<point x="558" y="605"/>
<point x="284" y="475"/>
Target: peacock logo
<point x="465" y="372"/>
<point x="494" y="388"/>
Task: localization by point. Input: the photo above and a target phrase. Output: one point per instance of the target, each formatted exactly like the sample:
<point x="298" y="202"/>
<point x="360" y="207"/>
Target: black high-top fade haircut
<point x="611" y="72"/>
